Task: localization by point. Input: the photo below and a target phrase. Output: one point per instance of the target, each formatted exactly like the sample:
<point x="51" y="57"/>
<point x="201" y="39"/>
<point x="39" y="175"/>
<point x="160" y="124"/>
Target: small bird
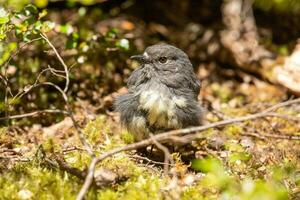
<point x="162" y="93"/>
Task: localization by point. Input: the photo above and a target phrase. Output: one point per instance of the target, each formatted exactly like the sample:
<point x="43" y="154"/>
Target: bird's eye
<point x="162" y="59"/>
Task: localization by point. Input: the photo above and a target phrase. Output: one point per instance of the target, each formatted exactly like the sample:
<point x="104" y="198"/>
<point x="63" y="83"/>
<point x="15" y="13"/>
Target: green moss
<point x="127" y="137"/>
<point x="234" y="146"/>
<point x="78" y="159"/>
<point x="146" y="187"/>
<point x="107" y="194"/>
<point x="39" y="182"/>
<point x="263" y="190"/>
<point x="50" y="145"/>
<point x="223" y="92"/>
<point x="123" y="165"/>
<point x="233" y="129"/>
<point x="192" y="193"/>
<point x="95" y="130"/>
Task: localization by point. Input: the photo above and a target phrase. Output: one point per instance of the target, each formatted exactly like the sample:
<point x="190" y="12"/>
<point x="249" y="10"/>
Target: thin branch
<point x="71" y="149"/>
<point x="18" y="50"/>
<point x="167" y="155"/>
<point x="282" y="104"/>
<point x="27" y="88"/>
<point x="70" y="113"/>
<point x="3" y="79"/>
<point x="61" y="61"/>
<point x="7" y="87"/>
<point x="56" y="72"/>
<point x="64" y="95"/>
<point x="62" y="92"/>
<point x="168" y="158"/>
<point x="273" y="136"/>
<point x="137" y="157"/>
<point x="32" y="114"/>
<point x="286" y="117"/>
<point x="88" y="180"/>
<point x="16" y="158"/>
<point x="63" y="165"/>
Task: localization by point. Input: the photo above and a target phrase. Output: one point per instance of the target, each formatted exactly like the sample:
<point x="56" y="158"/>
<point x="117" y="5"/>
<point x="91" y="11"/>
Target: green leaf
<point x="30" y="9"/>
<point x="43" y="13"/>
<point x="41" y="3"/>
<point x="123" y="44"/>
<point x="4" y="16"/>
<point x="112" y="33"/>
<point x="47" y="26"/>
<point x="72" y="41"/>
<point x="67" y="29"/>
<point x="239" y="156"/>
<point x="207" y="165"/>
<point x="82" y="11"/>
<point x="6" y="50"/>
<point x="38" y="25"/>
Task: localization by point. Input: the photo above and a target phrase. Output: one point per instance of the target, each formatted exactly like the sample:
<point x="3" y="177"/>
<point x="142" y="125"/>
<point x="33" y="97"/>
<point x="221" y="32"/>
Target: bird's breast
<point x="160" y="105"/>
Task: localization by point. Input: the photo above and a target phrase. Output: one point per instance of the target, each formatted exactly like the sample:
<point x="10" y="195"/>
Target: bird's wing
<point x="134" y="77"/>
<point x="195" y="84"/>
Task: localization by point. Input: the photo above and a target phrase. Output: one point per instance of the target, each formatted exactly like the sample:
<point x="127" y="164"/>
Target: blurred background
<point x="97" y="37"/>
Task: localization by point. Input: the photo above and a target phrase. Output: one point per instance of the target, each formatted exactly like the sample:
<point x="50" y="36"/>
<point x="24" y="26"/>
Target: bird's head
<point x="163" y="57"/>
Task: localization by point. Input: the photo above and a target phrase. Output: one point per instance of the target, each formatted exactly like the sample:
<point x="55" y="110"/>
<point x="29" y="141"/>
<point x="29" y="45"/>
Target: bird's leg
<point x="151" y="150"/>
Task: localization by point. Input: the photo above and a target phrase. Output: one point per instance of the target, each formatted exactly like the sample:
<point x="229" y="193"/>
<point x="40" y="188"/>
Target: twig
<point x="62" y="92"/>
<point x="63" y="165"/>
<point x="7" y="88"/>
<point x="70" y="113"/>
<point x="19" y="49"/>
<point x="31" y="114"/>
<point x="168" y="158"/>
<point x="286" y="117"/>
<point x="71" y="149"/>
<point x="61" y="61"/>
<point x="282" y="104"/>
<point x="167" y="155"/>
<point x="16" y="159"/>
<point x="65" y="97"/>
<point x="88" y="180"/>
<point x="56" y="72"/>
<point x="3" y="79"/>
<point x="137" y="157"/>
<point x="11" y="151"/>
<point x="274" y="136"/>
<point x="164" y="137"/>
<point x="27" y="88"/>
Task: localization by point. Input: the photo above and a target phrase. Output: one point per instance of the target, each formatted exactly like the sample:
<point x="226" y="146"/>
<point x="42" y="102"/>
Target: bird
<point x="162" y="93"/>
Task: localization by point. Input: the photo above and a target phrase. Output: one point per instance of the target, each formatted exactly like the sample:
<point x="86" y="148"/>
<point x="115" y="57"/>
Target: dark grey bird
<point x="162" y="93"/>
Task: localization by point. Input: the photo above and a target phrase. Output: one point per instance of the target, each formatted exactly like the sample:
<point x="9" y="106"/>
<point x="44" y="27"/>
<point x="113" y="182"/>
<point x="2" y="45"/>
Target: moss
<point x="107" y="194"/>
<point x="127" y="137"/>
<point x="42" y="182"/>
<point x="78" y="159"/>
<point x="222" y="92"/>
<point x="234" y="176"/>
<point x="50" y="145"/>
<point x="121" y="164"/>
<point x="232" y="129"/>
<point x="192" y="193"/>
<point x="146" y="187"/>
<point x="95" y="130"/>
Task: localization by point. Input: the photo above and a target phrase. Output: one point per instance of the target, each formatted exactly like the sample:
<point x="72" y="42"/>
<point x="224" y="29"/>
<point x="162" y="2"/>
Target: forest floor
<point x="240" y="161"/>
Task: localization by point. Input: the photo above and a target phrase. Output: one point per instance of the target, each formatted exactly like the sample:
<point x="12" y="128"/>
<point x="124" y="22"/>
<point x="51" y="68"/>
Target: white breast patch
<point x="161" y="108"/>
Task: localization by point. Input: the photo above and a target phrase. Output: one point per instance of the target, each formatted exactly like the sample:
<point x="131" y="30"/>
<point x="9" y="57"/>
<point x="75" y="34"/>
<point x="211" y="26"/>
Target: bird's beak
<point x="140" y="58"/>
